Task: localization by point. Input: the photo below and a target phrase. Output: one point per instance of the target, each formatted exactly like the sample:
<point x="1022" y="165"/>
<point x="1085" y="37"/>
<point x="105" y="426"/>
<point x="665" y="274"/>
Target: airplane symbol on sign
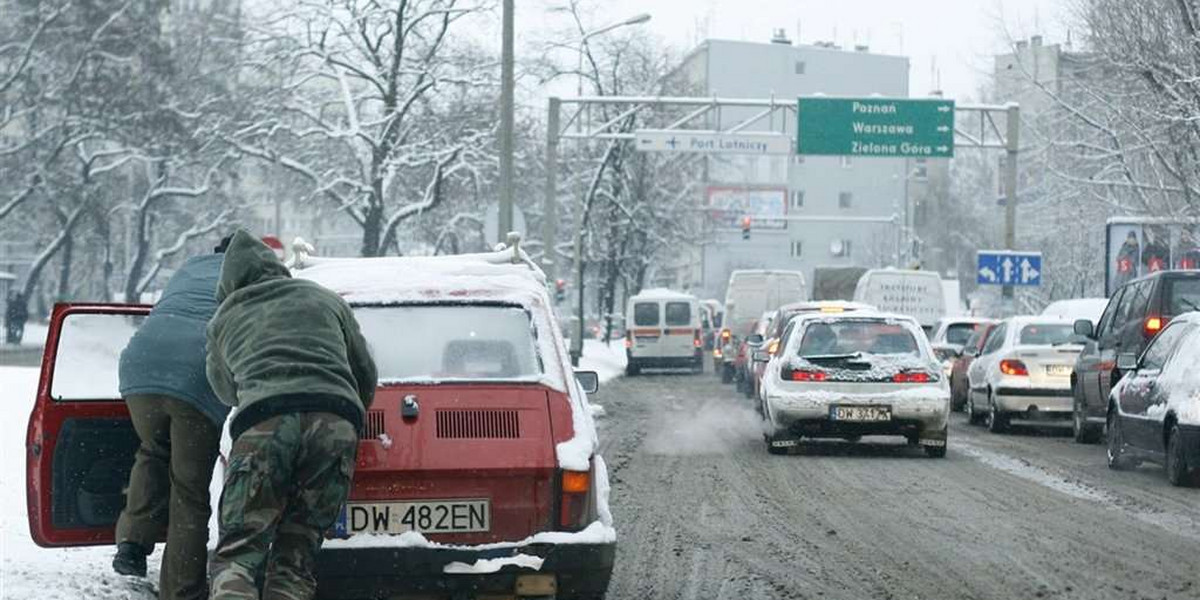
<point x="672" y="142"/>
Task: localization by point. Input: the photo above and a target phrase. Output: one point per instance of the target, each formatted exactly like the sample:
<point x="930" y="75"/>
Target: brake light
<point x="1010" y="366"/>
<point x="804" y="375"/>
<point x="726" y="335"/>
<point x="911" y="377"/>
<point x="716" y="352"/>
<point x="573" y="504"/>
<point x="696" y="341"/>
<point x="773" y="347"/>
<point x="1153" y="325"/>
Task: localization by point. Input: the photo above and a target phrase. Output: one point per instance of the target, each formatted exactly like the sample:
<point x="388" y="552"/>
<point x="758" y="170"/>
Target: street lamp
<point x="577" y="339"/>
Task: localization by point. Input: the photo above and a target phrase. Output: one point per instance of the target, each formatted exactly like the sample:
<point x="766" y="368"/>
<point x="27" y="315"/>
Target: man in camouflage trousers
<point x="288" y="354"/>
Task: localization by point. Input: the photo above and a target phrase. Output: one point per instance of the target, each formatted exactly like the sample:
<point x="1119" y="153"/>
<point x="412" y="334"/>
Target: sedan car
<point x="1023" y="371"/>
<point x="477" y="471"/>
<point x="1154" y="411"/>
<point x="855" y="374"/>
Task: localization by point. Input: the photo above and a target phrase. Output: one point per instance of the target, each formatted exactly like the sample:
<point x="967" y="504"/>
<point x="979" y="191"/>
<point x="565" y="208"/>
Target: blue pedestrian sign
<point x="1004" y="267"/>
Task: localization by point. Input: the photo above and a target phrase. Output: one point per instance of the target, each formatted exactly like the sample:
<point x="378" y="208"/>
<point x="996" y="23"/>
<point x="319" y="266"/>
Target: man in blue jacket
<point x="179" y="420"/>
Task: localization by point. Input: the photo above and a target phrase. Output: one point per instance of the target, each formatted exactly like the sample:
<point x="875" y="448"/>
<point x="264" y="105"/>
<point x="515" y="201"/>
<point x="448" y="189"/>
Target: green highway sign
<point x="875" y="127"/>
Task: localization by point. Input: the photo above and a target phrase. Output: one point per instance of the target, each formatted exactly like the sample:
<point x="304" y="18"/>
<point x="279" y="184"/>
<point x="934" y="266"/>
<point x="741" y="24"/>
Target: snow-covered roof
<point x="858" y="314"/>
<point x="1022" y="320"/>
<point x="966" y="320"/>
<point x="662" y="294"/>
<point x="1077" y="308"/>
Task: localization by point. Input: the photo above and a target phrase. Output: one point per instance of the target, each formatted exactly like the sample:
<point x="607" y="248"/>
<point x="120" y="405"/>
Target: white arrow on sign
<point x="1007" y="264"/>
<point x="943" y="108"/>
<point x="1028" y="273"/>
<point x="943" y="148"/>
<point x="988" y="274"/>
<point x="943" y="128"/>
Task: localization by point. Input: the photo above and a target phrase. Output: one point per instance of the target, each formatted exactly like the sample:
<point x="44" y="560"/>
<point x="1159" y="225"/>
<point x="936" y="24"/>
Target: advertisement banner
<point x="1140" y="247"/>
<point x="766" y="206"/>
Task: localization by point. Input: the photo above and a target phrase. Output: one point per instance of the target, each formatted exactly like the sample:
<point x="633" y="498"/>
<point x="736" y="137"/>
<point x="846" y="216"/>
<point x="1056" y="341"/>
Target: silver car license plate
<point x="1059" y="370"/>
<point x="860" y="414"/>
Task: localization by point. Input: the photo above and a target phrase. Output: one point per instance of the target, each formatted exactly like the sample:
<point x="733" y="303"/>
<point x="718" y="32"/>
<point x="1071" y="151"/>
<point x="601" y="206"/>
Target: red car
<point x="477" y="472"/>
<point x="959" y="384"/>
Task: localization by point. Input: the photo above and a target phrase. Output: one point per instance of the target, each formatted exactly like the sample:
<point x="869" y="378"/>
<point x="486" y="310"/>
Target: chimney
<point x="779" y="36"/>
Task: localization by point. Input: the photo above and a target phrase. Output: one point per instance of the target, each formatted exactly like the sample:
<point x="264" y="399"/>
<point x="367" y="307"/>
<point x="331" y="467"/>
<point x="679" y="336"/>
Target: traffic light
<point x="560" y="290"/>
<point x="746" y="227"/>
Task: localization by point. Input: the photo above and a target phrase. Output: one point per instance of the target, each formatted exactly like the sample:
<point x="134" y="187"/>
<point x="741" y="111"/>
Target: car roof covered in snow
<point x="662" y="294"/>
<point x="831" y="306"/>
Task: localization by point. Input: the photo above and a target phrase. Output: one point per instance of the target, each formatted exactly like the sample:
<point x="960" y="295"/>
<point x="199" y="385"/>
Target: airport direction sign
<point x="875" y="126"/>
<point x="712" y="142"/>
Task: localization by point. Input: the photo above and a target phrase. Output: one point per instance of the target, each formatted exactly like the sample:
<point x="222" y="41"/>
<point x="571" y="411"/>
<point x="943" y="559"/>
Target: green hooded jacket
<point x="279" y="345"/>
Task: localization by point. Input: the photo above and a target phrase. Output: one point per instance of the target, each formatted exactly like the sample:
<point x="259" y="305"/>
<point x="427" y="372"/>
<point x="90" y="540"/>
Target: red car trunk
<point x="469" y="441"/>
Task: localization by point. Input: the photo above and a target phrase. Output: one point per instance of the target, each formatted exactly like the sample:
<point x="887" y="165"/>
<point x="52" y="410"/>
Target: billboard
<point x="1137" y="247"/>
<point x="767" y="206"/>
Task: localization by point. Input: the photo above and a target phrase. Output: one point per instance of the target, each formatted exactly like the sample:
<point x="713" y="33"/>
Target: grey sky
<point x="959" y="36"/>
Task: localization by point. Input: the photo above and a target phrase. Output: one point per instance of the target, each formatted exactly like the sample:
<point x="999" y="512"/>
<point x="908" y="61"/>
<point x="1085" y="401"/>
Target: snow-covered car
<point x="854" y="374"/>
<point x="768" y="346"/>
<point x="953" y="332"/>
<point x="1154" y="411"/>
<point x="477" y="472"/>
<point x="1076" y="308"/>
<point x="1023" y="372"/>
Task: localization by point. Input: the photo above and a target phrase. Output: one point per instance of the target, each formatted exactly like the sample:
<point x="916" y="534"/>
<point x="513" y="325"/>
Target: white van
<point x="663" y="329"/>
<point x="917" y="294"/>
<point x="751" y="293"/>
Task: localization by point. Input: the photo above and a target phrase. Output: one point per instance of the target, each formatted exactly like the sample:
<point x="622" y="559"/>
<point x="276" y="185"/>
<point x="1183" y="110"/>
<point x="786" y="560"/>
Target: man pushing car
<point x="288" y="354"/>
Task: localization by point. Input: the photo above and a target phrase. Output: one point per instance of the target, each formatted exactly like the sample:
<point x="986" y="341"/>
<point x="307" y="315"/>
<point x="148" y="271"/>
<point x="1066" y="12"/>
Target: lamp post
<point x="577" y="339"/>
<point x="505" y="220"/>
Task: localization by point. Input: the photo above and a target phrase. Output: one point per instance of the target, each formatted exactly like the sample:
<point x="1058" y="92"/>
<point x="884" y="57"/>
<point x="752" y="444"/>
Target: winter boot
<point x="130" y="559"/>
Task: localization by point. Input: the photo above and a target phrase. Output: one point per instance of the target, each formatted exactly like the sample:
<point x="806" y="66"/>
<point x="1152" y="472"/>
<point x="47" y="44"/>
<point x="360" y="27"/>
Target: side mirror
<point x="1085" y="328"/>
<point x="969" y="352"/>
<point x="588" y="380"/>
<point x="754" y="339"/>
<point x="1127" y="361"/>
<point x="761" y="356"/>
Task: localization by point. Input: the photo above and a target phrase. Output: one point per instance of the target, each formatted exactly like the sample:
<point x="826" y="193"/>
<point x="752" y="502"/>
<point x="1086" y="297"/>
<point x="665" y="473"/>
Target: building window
<point x="799" y="67"/>
<point x="846" y="162"/>
<point x="920" y="169"/>
<point x="845" y="200"/>
<point x="797" y="198"/>
<point x="840" y="248"/>
<point x="797" y="249"/>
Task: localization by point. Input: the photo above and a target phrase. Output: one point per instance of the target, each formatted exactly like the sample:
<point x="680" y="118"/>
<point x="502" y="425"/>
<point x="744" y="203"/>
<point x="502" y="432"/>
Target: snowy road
<point x="703" y="512"/>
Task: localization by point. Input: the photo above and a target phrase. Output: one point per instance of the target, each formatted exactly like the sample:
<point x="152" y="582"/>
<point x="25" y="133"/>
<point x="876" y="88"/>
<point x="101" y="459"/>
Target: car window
<point x="704" y="322"/>
<point x="89" y="352"/>
<point x="787" y="332"/>
<point x="645" y="314"/>
<point x="1141" y="300"/>
<point x="960" y="333"/>
<point x="678" y="313"/>
<point x="1121" y="316"/>
<point x="1163" y="346"/>
<point x="456" y="342"/>
<point x="1046" y="334"/>
<point x="853" y="336"/>
<point x="1182" y="295"/>
<point x="995" y="339"/>
<point x="1104" y="328"/>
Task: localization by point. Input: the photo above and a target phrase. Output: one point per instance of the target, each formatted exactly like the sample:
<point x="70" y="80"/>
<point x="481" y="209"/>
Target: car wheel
<point x="748" y="389"/>
<point x="936" y="451"/>
<point x="972" y="416"/>
<point x="1085" y="433"/>
<point x="1179" y="473"/>
<point x="1117" y="460"/>
<point x="698" y="366"/>
<point x="632" y="369"/>
<point x="726" y="374"/>
<point x="997" y="421"/>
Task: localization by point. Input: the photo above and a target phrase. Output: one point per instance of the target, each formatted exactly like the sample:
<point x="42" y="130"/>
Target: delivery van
<point x="751" y="293"/>
<point x="917" y="294"/>
<point x="663" y="329"/>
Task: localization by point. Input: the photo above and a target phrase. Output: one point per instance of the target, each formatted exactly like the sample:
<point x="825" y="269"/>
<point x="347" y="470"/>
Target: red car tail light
<point x="911" y="377"/>
<point x="1010" y="366"/>
<point x="573" y="504"/>
<point x="726" y="335"/>
<point x="696" y="341"/>
<point x="804" y="375"/>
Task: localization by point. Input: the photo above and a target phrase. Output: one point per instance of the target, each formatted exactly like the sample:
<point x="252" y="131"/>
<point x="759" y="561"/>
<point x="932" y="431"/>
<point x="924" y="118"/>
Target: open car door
<point x="80" y="443"/>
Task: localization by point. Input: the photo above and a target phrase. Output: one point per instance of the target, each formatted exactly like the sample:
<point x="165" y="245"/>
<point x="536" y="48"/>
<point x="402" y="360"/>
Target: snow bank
<point x="607" y="360"/>
<point x="493" y="565"/>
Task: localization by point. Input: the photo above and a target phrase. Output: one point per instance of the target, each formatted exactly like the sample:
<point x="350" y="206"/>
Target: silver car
<point x="1023" y="372"/>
